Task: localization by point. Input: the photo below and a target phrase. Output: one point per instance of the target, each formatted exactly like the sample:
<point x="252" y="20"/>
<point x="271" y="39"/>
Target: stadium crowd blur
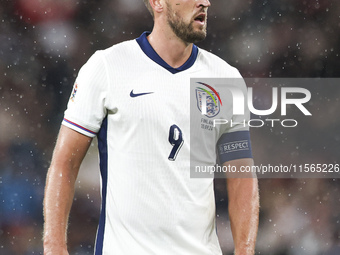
<point x="43" y="43"/>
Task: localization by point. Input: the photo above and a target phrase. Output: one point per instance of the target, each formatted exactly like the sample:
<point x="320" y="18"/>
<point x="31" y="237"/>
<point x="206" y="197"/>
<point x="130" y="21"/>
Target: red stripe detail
<point x="218" y="96"/>
<point x="80" y="126"/>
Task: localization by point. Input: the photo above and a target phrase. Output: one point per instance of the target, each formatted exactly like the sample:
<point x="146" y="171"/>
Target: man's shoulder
<point x="122" y="48"/>
<point x="113" y="53"/>
<point x="216" y="62"/>
<point x="118" y="55"/>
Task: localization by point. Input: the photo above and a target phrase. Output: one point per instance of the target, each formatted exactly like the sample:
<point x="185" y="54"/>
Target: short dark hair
<point x="148" y="5"/>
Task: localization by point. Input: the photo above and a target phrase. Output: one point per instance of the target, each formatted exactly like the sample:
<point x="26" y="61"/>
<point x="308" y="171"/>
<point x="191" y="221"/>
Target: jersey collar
<point x="152" y="54"/>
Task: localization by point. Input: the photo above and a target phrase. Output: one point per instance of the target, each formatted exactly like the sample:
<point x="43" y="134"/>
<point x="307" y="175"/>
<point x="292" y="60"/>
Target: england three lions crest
<point x="207" y="102"/>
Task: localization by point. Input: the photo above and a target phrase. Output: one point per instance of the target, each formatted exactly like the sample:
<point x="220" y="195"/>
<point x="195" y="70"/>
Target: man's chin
<point x="198" y="36"/>
<point x="190" y="34"/>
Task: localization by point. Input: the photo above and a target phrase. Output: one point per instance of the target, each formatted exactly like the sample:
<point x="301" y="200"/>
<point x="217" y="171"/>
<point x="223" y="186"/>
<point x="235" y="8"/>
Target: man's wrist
<point x="53" y="246"/>
<point x="244" y="251"/>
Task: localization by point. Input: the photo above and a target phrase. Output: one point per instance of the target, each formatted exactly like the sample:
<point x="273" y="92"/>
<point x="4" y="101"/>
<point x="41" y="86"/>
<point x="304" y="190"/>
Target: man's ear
<point x="157" y="5"/>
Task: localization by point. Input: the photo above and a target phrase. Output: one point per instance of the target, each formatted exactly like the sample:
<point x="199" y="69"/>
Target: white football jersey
<point x="133" y="101"/>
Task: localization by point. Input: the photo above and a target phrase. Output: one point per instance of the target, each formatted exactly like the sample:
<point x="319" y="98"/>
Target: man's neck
<point x="169" y="47"/>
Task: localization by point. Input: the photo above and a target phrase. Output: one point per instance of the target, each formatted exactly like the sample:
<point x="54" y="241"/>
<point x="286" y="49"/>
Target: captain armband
<point x="235" y="145"/>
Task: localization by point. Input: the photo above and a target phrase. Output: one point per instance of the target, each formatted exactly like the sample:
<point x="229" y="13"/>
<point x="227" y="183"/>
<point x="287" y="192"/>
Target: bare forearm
<point x="59" y="194"/>
<point x="244" y="214"/>
<point x="68" y="154"/>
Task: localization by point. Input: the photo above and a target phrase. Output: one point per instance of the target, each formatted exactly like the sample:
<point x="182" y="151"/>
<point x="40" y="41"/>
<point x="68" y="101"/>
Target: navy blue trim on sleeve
<point x="235" y="145"/>
<point x="152" y="54"/>
<point x="103" y="153"/>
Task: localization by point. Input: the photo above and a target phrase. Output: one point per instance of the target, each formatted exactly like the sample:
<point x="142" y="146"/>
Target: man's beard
<point x="182" y="30"/>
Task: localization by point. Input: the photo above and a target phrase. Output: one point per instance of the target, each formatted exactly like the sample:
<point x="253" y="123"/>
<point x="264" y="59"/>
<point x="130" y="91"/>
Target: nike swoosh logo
<point x="140" y="94"/>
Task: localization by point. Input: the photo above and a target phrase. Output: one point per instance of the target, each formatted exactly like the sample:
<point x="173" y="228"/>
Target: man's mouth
<point x="200" y="18"/>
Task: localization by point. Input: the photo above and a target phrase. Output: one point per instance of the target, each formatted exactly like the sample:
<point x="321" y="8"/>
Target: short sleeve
<point x="234" y="142"/>
<point x="86" y="107"/>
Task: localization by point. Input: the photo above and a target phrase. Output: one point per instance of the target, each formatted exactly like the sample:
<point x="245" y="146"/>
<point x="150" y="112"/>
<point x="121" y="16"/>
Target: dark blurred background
<point x="43" y="44"/>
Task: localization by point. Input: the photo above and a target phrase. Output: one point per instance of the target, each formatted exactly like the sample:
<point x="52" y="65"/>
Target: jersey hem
<point x="78" y="128"/>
